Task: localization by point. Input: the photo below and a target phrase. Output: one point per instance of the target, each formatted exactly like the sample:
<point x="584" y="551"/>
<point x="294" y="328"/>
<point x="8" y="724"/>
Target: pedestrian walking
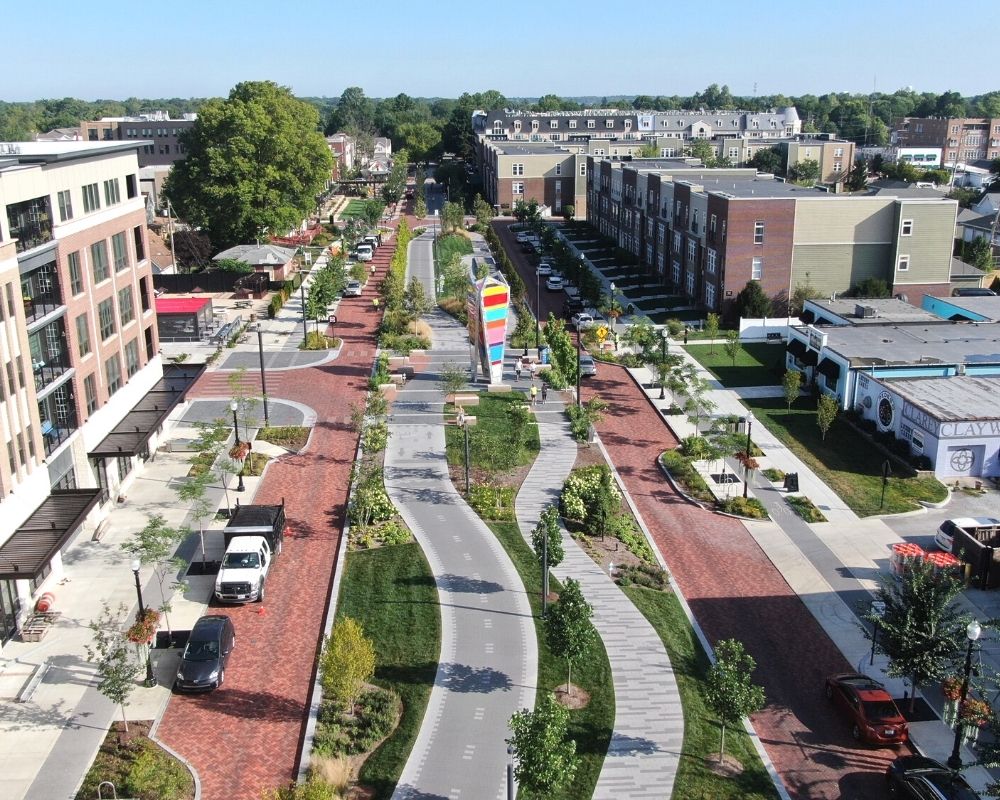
<point x="532" y="368"/>
<point x="545" y="392"/>
<point x="686" y="329"/>
<point x="375" y="303"/>
<point x="534" y="394"/>
<point x="517" y="368"/>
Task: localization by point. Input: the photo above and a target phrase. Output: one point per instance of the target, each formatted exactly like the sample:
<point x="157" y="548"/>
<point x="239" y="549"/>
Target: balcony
<point x="30" y="223"/>
<point x="47" y="372"/>
<point x="58" y="418"/>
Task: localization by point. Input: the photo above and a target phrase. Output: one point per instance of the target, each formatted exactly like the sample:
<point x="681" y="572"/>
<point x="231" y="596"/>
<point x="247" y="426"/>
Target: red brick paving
<point x="735" y="592"/>
<point x="246" y="735"/>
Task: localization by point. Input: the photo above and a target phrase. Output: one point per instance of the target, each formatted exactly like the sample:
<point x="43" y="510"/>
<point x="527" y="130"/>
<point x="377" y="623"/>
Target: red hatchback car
<point x="873" y="715"/>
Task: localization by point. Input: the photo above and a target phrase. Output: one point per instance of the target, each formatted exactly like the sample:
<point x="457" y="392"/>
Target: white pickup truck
<point x="244" y="569"/>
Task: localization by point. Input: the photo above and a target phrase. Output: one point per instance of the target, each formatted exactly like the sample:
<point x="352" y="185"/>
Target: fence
<point x="766" y="328"/>
<point x="188" y="282"/>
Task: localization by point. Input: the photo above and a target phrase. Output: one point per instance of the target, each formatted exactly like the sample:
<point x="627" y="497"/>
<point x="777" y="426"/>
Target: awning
<point x="807" y="316"/>
<point x="129" y="436"/>
<point x="796" y="347"/>
<point x="809" y="358"/>
<point x="25" y="554"/>
<point x="831" y="369"/>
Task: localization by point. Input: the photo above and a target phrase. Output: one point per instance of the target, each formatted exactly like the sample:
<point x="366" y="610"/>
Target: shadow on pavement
<point x="463" y="678"/>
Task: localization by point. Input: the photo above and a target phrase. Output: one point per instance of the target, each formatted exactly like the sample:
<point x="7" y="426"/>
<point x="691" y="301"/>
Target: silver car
<point x="353" y="289"/>
<point x="588" y="367"/>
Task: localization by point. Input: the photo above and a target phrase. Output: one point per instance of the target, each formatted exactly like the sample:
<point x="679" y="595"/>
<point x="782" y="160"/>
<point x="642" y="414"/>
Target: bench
<point x="775" y="336"/>
<point x="37" y="625"/>
<point x="464" y="399"/>
<point x="100" y="530"/>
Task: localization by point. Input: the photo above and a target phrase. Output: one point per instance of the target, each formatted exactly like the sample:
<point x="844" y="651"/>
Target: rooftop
<point x="953" y="399"/>
<point x="924" y="345"/>
<point x="27" y="153"/>
<point x="989" y="307"/>
<point x="888" y="310"/>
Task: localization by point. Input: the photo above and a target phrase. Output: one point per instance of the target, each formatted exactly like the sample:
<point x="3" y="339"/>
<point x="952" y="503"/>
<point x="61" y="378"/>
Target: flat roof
<point x="888" y="310"/>
<point x="953" y="399"/>
<point x="899" y="345"/>
<point x="181" y="305"/>
<point x="44" y="152"/>
<point x="987" y="306"/>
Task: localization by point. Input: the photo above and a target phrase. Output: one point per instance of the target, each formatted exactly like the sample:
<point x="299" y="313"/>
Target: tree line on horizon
<point x="427" y="127"/>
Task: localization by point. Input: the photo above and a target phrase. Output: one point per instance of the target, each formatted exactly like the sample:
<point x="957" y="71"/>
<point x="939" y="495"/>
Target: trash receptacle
<point x="543" y="354"/>
<point x="792" y="482"/>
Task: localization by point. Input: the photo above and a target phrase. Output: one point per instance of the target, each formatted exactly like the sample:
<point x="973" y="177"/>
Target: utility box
<point x="791" y="482"/>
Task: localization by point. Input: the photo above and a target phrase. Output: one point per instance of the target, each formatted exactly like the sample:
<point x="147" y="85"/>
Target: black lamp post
<point x="305" y="330"/>
<point x="465" y="429"/>
<point x="263" y="377"/>
<point x="878" y="610"/>
<point x="972" y="631"/>
<point x="510" y="772"/>
<point x="579" y="338"/>
<point x="150" y="679"/>
<point x="545" y="572"/>
<point x="234" y="406"/>
<point x="746" y="481"/>
<point x="664" y="349"/>
<point x="538" y="309"/>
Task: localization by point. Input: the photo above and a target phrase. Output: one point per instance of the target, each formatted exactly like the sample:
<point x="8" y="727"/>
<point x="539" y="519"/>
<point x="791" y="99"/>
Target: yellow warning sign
<point x="602" y="333"/>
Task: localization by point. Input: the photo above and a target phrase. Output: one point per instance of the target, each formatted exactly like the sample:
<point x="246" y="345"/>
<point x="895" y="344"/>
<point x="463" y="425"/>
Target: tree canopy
<point x="255" y="162"/>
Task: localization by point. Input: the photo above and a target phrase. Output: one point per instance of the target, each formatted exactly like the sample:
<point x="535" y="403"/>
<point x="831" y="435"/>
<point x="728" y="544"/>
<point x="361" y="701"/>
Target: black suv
<point x="203" y="663"/>
<point x="921" y="778"/>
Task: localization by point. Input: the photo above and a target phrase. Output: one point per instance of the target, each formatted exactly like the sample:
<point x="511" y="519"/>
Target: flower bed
<point x="805" y="508"/>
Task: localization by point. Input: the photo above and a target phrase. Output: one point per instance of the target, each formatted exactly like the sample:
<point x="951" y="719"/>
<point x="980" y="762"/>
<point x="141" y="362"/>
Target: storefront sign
<point x="920" y="418"/>
<point x="817" y="339"/>
<point x="961" y="430"/>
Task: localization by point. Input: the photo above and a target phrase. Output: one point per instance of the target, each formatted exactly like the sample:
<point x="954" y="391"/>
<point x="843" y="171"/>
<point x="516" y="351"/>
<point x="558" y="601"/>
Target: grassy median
<point x="757" y="364"/>
<point x="390" y="590"/>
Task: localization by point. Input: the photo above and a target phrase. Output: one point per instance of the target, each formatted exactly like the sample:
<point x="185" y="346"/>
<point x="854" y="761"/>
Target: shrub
<point x="805" y="508"/>
<point x="683" y="473"/>
<point x="274" y="306"/>
<point x="921" y="462"/>
<point x="580" y="493"/>
<point x="675" y="326"/>
<point x="156" y="776"/>
<point x="647" y="575"/>
<point x="376" y="437"/>
<point x="624" y="529"/>
<point x="774" y="474"/>
<point x="318" y="341"/>
<point x="492" y="502"/>
<point x="744" y="507"/>
<point x="694" y="447"/>
<point x="374" y="716"/>
<point x="371" y="504"/>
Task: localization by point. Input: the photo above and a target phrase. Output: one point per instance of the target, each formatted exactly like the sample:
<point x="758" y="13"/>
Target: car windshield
<point x="880" y="709"/>
<point x="242" y="561"/>
<point x="950" y="787"/>
<point x="201" y="651"/>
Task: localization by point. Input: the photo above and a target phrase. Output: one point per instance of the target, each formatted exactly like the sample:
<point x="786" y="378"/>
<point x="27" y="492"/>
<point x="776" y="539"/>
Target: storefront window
<point x="10" y="607"/>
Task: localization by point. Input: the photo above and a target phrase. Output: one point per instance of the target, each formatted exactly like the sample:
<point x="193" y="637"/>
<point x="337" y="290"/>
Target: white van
<point x="364" y="252"/>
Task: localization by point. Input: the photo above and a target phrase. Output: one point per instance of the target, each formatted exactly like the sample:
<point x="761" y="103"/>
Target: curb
<point x="677" y="488"/>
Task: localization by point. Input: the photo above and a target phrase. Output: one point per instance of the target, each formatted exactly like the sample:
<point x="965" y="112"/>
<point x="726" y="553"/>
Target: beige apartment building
<point x="83" y="391"/>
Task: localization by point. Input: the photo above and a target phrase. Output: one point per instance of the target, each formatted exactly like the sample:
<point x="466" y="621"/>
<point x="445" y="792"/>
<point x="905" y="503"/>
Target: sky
<point x="111" y="49"/>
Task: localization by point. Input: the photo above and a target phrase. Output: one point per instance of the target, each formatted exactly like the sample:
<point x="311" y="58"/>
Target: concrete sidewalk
<point x="648" y="733"/>
<point x="835" y="567"/>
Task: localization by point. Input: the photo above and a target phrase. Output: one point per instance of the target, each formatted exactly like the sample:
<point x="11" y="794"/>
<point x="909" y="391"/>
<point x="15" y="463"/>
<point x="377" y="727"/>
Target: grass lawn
<point x="701" y="730"/>
<point x="844" y="461"/>
<point x="661" y="317"/>
<point x="450" y="245"/>
<point x="756" y="364"/>
<point x="591" y="726"/>
<point x="491" y="418"/>
<point x="354" y="208"/>
<point x="390" y="591"/>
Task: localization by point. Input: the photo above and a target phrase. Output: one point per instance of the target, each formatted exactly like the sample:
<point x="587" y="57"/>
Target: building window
<point x="131" y="186"/>
<point x="517" y="169"/>
<point x="113" y="374"/>
<point x="758" y="232"/>
<point x="126" y="307"/>
<point x="558" y="170"/>
<point x="591" y="123"/>
<point x="120" y="251"/>
<point x="65" y="206"/>
<point x="99" y="261"/>
<point x="132" y="357"/>
<point x="75" y="273"/>
<point x="112" y="192"/>
<point x="553" y="124"/>
<point x="91" y="199"/>
<point x="692" y="250"/>
<point x="106" y="315"/>
<point x="756" y="269"/>
<point x="90" y="392"/>
<point x="583" y="170"/>
<point x="837" y="166"/>
<point x="917" y="440"/>
<point x="82" y="335"/>
<point x="667" y="152"/>
<point x="710" y="295"/>
<point x="838" y="152"/>
<point x="572" y="123"/>
<point x="906" y="227"/>
<point x="534" y="124"/>
<point x="517" y="187"/>
<point x="710" y="261"/>
<point x="904" y="263"/>
<point x="677" y="243"/>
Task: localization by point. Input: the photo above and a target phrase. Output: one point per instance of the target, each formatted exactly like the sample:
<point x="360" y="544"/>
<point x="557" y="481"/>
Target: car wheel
<point x="856" y="732"/>
<point x="222" y="677"/>
<point x="260" y="596"/>
<point x="829" y="692"/>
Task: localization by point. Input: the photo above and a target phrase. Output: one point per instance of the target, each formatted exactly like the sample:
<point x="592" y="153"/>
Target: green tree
<point x="354" y="113"/>
<point x="484" y="211"/>
<point x="453" y="378"/>
<point x="730" y="691"/>
<point x="420" y="207"/>
<point x="805" y="172"/>
<point x="567" y="627"/>
<point x="826" y="413"/>
<point x="922" y="629"/>
<point x="711" y="330"/>
<point x="545" y="759"/>
<point x="732" y="345"/>
<point x="568" y="212"/>
<point x="114" y="656"/>
<point x="232" y="265"/>
<point x="372" y="212"/>
<point x="978" y="253"/>
<point x="419" y="138"/>
<point x="194" y="490"/>
<point x="802" y="293"/>
<point x="857" y="178"/>
<point x="791" y="385"/>
<point x="768" y="160"/>
<point x="255" y="161"/>
<point x="452" y="217"/>
<point x="346" y="663"/>
<point x="155" y="546"/>
<point x="701" y="149"/>
<point x="548" y="528"/>
<point x="871" y="287"/>
<point x="752" y="302"/>
<point x="649" y="150"/>
<point x="415" y="301"/>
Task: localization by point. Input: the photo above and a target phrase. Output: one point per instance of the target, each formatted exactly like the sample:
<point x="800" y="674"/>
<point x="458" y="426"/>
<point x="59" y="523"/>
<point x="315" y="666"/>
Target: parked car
<point x="584" y="320"/>
<point x="555" y="283"/>
<point x="571" y="306"/>
<point x="364" y="252"/>
<point x="244" y="569"/>
<point x="588" y="367"/>
<point x="945" y="536"/>
<point x="353" y="288"/>
<point x="203" y="662"/>
<point x="872" y="713"/>
<point x="922" y="778"/>
<point x="544" y="269"/>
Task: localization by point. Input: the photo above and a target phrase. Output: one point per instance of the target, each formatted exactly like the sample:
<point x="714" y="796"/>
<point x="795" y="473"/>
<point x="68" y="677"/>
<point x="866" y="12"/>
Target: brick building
<point x="962" y="140"/>
<point x="78" y="337"/>
<point x="163" y="146"/>
<point x="706" y="232"/>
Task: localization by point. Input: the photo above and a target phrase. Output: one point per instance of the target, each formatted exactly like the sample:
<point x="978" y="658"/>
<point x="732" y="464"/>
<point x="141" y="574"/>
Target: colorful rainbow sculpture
<point x="488" y="306"/>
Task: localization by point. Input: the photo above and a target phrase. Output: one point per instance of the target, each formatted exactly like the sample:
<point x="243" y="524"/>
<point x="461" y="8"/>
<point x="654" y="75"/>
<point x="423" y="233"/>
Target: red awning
<point x="181" y="305"/>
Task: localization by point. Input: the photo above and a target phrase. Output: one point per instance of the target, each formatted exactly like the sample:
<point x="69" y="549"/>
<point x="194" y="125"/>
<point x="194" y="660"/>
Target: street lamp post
<point x="746" y="481"/>
<point x="878" y="610"/>
<point x="465" y="428"/>
<point x="234" y="406"/>
<point x="538" y="309"/>
<point x="150" y="679"/>
<point x="263" y="376"/>
<point x="510" y="772"/>
<point x="664" y="349"/>
<point x="302" y="294"/>
<point x="579" y="338"/>
<point x="972" y="631"/>
<point x="545" y="571"/>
